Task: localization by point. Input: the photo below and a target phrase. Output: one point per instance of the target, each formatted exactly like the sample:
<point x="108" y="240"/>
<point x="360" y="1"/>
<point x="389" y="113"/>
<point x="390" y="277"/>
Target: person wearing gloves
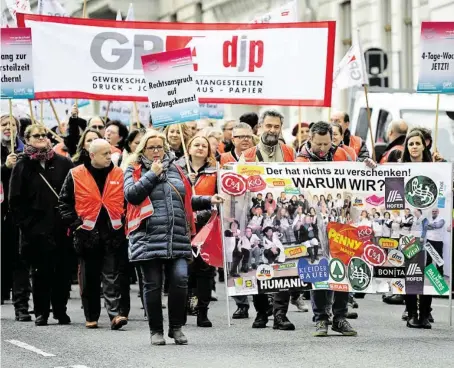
<point x="160" y="225"/>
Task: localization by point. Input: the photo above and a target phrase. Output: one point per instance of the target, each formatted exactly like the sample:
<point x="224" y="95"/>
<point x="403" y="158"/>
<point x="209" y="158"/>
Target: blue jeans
<point x="177" y="271"/>
<point x="320" y="300"/>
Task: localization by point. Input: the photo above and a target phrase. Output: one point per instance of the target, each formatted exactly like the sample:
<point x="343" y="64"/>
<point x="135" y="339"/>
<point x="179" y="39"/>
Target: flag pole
<point x="436" y="123"/>
<point x="42" y="112"/>
<point x="369" y="122"/>
<point x="84" y="15"/>
<point x="299" y="128"/>
<point x="107" y="111"/>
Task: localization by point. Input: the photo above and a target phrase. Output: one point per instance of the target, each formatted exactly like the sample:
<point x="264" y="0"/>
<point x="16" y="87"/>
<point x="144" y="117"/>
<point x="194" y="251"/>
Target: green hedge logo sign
<point x="421" y="192"/>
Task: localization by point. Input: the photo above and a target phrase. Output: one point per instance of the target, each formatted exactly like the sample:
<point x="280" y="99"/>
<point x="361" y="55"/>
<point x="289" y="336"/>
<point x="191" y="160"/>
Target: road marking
<point x="29" y="347"/>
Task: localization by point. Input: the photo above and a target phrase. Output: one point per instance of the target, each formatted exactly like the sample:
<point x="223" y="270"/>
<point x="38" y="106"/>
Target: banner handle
<point x="370" y="124"/>
<point x="42" y="112"/>
<point x="107" y="111"/>
<point x="12" y="121"/>
<point x="221" y="214"/>
<point x="436" y="123"/>
<point x="56" y="116"/>
<point x="186" y="156"/>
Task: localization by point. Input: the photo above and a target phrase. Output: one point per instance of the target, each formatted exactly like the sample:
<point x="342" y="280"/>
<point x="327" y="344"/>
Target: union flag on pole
<point x="351" y="70"/>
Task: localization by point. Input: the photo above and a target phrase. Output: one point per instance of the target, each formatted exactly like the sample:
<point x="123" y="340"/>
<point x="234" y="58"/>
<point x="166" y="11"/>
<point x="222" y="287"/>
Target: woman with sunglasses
<point x="36" y="181"/>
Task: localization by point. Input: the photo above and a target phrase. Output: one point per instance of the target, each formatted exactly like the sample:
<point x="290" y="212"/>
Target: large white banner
<point x="338" y="227"/>
<point x="279" y="64"/>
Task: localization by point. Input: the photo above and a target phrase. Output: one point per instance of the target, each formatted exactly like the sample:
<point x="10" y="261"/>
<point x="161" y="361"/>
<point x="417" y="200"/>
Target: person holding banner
<point x="270" y="149"/>
<point x="160" y="225"/>
<point x="338" y="140"/>
<point x="415" y="150"/>
<point x="203" y="178"/>
<point x="173" y="137"/>
<point x="15" y="272"/>
<point x="76" y="125"/>
<point x="353" y="141"/>
<point x="397" y="132"/>
<point x="36" y="181"/>
<point x="319" y="148"/>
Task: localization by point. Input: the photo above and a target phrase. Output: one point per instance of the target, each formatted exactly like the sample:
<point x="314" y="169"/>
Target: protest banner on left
<point x="17" y="74"/>
<point x="172" y="90"/>
<point x="233" y="63"/>
<point x="344" y="228"/>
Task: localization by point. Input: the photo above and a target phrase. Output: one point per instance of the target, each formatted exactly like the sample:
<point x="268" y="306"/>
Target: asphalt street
<point x="382" y="341"/>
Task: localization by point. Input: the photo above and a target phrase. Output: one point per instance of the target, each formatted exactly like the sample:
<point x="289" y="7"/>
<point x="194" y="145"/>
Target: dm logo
<point x="359" y="274"/>
<point x="421" y="192"/>
<point x="337" y="270"/>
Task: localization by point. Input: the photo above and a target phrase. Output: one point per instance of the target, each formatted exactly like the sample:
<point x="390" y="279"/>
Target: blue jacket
<point x="163" y="235"/>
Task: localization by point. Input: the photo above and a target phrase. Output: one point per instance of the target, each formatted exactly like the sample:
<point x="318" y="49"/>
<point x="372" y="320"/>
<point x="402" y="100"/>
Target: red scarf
<point x="188" y="200"/>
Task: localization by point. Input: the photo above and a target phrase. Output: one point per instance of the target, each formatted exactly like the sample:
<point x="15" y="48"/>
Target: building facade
<point x="391" y="28"/>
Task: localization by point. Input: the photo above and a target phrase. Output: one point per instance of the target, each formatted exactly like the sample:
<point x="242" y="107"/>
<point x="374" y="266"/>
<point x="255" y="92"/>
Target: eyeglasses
<point x="155" y="149"/>
<point x="243" y="137"/>
<point x="39" y="136"/>
<point x="97" y="127"/>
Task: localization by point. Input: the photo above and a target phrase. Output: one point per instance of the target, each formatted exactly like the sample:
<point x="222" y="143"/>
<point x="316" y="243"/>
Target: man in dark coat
<point x="15" y="272"/>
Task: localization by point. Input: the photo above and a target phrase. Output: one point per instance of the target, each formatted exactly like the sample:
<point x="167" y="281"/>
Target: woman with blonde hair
<point x="160" y="226"/>
<point x="173" y="137"/>
<point x="203" y="177"/>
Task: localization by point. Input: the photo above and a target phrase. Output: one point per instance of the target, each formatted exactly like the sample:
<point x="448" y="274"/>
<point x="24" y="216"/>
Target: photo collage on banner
<point x="344" y="228"/>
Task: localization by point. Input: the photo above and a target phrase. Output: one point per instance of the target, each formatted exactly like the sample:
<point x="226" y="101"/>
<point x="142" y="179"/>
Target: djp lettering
<point x="246" y="54"/>
<point x="107" y="55"/>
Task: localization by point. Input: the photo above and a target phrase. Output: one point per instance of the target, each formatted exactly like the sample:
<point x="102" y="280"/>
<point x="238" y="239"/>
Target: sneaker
<point x="343" y="326"/>
<point x="23" y="316"/>
<point x="281" y="322"/>
<point x="300" y="304"/>
<point x="242" y="312"/>
<point x="260" y="321"/>
<point x="157" y="338"/>
<point x="351" y="315"/>
<point x="91" y="325"/>
<point x="321" y="329"/>
<point x="329" y="322"/>
<point x="118" y="322"/>
<point x="178" y="335"/>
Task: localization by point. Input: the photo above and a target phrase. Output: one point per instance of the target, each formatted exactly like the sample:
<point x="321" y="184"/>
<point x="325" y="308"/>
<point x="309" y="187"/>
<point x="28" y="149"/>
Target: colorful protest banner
<point x="325" y="226"/>
<point x="211" y="111"/>
<point x="17" y="74"/>
<point x="233" y="62"/>
<point x="172" y="91"/>
<point x="436" y="70"/>
<point x="123" y="111"/>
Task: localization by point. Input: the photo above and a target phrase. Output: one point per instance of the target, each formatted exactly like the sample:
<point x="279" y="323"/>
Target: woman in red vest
<point x="160" y="226"/>
<point x="203" y="177"/>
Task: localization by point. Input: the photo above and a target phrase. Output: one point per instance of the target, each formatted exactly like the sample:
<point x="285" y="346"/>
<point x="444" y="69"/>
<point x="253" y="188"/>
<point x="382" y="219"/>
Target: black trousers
<point x="15" y="271"/>
<point x="107" y="262"/>
<point x="237" y="256"/>
<point x="201" y="279"/>
<point x="425" y="303"/>
<point x="280" y="304"/>
<point x="124" y="268"/>
<point x="51" y="279"/>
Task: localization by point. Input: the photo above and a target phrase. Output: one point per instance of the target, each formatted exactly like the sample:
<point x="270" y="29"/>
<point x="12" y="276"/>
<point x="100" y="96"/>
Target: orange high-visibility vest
<point x="89" y="200"/>
<point x="59" y="148"/>
<point x="287" y="151"/>
<point x="355" y="143"/>
<point x="339" y="155"/>
<point x="384" y="158"/>
<point x="206" y="183"/>
<point x="226" y="158"/>
<point x="136" y="214"/>
<point x="350" y="152"/>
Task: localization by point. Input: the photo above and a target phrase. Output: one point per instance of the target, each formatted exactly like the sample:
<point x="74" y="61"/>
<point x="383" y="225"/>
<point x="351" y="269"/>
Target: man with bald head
<point x="397" y="131"/>
<point x="350" y="140"/>
<point x="92" y="204"/>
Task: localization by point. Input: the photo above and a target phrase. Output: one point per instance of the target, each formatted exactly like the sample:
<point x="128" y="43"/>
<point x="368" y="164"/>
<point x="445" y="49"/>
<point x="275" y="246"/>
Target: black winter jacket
<point x="6" y="174"/>
<point x="34" y="205"/>
<point x="163" y="235"/>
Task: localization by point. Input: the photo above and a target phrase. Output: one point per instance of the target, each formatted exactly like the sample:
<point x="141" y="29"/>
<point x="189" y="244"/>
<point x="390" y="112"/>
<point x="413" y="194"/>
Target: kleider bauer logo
<point x="394" y="193"/>
<point x="421" y="192"/>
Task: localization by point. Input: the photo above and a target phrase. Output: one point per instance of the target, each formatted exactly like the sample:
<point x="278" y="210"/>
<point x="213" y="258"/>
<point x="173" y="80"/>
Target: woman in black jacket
<point x="36" y="181"/>
<point x="159" y="235"/>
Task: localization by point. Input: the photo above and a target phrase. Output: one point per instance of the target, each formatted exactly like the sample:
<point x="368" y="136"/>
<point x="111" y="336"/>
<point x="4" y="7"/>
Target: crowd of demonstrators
<point x="112" y="197"/>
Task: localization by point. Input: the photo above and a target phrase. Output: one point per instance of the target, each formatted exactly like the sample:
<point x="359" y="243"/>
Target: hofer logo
<point x="394" y="194"/>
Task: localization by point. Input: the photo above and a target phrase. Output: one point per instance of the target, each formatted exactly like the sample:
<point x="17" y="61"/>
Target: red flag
<point x="209" y="242"/>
